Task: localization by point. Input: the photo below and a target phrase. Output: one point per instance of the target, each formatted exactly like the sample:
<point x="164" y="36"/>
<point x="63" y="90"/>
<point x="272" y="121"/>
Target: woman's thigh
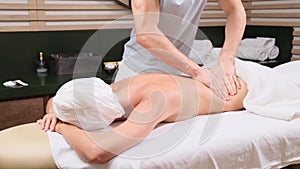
<point x="25" y="146"/>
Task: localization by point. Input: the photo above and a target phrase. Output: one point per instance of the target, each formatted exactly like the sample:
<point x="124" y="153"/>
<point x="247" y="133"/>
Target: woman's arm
<point x="49" y="120"/>
<point x="100" y="148"/>
<point x="80" y="141"/>
<point x="49" y="106"/>
<point x="146" y="16"/>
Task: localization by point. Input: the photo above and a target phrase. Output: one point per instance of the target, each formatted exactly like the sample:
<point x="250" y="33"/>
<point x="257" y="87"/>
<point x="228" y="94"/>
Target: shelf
<point x="39" y="85"/>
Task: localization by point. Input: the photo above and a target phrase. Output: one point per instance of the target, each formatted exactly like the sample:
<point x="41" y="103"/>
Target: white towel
<point x="273" y="52"/>
<point x="252" y="53"/>
<point x="273" y="92"/>
<point x="259" y="48"/>
<point x="263" y="42"/>
<point x="65" y="156"/>
<point x="88" y="103"/>
<point x="203" y="53"/>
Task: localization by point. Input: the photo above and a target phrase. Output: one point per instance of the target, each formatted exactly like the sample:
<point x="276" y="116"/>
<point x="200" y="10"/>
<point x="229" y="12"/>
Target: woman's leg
<point x="25" y="146"/>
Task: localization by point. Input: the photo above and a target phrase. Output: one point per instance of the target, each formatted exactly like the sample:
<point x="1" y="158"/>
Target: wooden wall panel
<point x="80" y="15"/>
<point x="273" y="13"/>
<point x="52" y="15"/>
<point x="296" y="44"/>
<point x="49" y="15"/>
<point x="212" y="15"/>
<point x="18" y="15"/>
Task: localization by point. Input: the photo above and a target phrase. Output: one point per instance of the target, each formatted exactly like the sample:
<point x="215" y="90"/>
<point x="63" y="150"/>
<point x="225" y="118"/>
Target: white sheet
<point x="271" y="92"/>
<point x="228" y="140"/>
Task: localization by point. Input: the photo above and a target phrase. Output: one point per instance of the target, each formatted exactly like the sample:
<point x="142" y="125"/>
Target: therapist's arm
<point x="234" y="30"/>
<point x="146" y="17"/>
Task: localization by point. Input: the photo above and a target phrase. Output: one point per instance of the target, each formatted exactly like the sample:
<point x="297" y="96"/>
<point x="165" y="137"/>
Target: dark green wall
<point x="19" y="50"/>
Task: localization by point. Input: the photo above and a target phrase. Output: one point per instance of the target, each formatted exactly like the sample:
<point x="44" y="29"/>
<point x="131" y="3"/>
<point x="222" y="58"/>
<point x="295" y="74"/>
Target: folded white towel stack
<point x="259" y="48"/>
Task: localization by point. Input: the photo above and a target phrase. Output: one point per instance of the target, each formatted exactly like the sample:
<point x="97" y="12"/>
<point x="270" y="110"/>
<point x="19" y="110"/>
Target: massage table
<point x="229" y="140"/>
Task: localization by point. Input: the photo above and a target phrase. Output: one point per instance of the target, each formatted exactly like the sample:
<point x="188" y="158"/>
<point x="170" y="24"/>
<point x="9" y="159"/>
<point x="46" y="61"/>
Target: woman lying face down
<point x="86" y="105"/>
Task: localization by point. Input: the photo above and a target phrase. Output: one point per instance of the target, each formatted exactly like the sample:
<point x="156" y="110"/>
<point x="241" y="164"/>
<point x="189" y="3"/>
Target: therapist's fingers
<point x="237" y="82"/>
<point x="219" y="88"/>
<point x="223" y="94"/>
<point x="230" y="85"/>
<point x="233" y="85"/>
<point x="213" y="79"/>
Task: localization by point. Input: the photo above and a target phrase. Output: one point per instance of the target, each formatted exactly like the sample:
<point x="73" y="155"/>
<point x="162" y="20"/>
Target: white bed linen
<point x="272" y="92"/>
<point x="229" y="141"/>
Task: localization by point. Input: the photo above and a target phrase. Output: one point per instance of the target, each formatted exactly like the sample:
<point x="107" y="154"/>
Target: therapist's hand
<point x="224" y="81"/>
<point x="221" y="78"/>
<point x="212" y="79"/>
<point x="217" y="83"/>
<point x="230" y="79"/>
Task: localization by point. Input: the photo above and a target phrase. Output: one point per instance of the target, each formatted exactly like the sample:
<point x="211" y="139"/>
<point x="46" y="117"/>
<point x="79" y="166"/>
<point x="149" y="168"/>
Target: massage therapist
<point x="164" y="33"/>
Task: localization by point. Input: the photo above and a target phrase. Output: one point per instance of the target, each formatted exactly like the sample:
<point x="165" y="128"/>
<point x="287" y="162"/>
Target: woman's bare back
<point x="180" y="97"/>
